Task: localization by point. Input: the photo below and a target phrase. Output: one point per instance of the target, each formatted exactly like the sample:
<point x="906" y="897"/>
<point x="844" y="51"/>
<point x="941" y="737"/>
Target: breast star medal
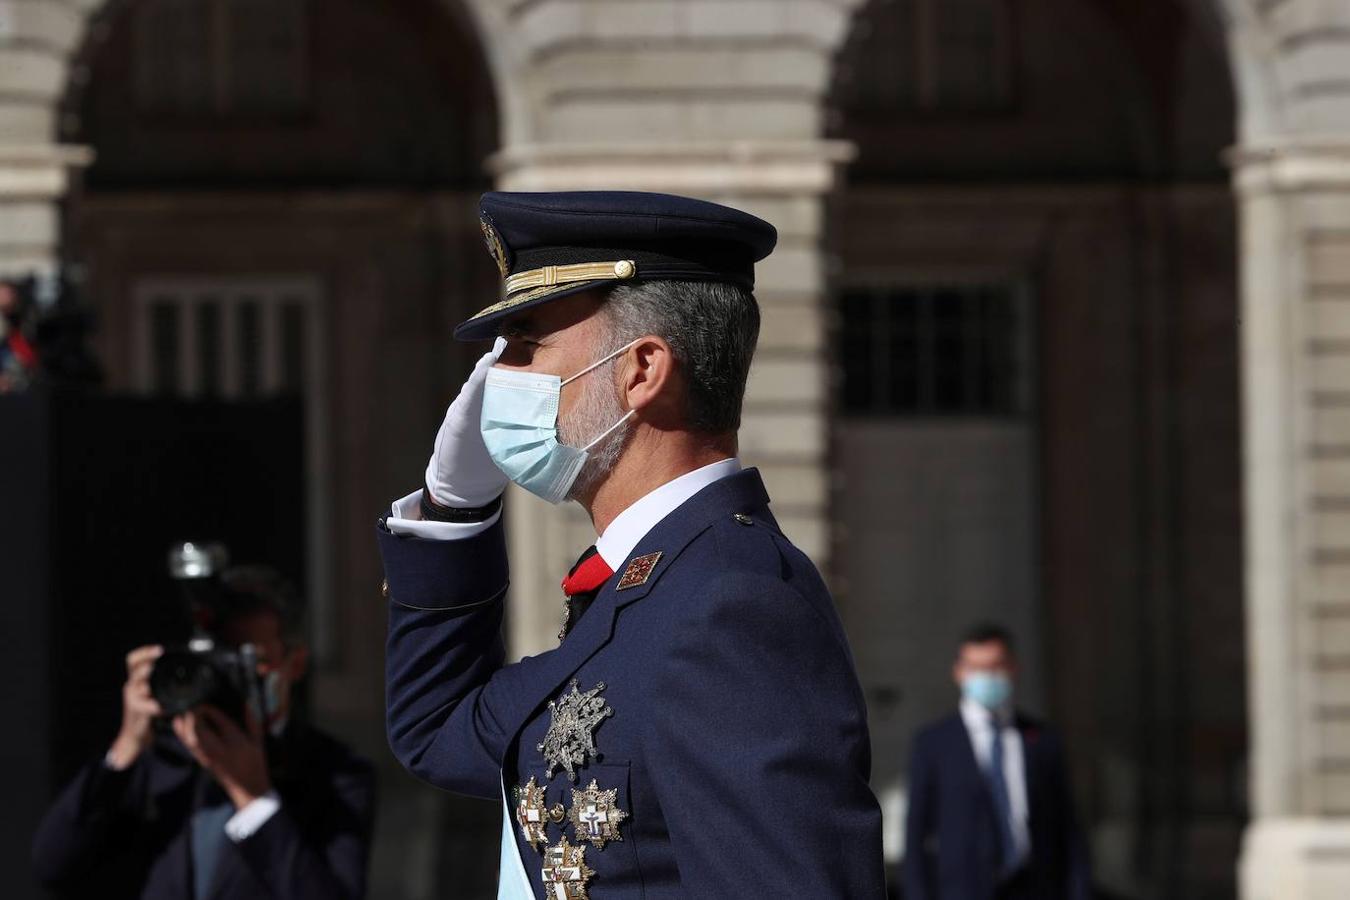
<point x="565" y="873"/>
<point x="533" y="814"/>
<point x="595" y="815"/>
<point x="571" y="733"/>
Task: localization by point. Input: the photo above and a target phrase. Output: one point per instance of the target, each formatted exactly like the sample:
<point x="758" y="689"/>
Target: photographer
<point x="211" y="806"/>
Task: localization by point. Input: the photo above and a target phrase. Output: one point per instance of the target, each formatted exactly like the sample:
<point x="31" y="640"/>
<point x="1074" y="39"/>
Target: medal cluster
<point x="594" y="815"/>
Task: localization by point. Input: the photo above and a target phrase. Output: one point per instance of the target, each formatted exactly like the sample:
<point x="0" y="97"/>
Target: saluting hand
<point x="234" y="756"/>
<point x="461" y="473"/>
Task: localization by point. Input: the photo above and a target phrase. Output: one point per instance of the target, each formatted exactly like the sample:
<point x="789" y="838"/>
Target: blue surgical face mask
<point x="272" y="694"/>
<point x="266" y="703"/>
<point x="989" y="689"/>
<point x="520" y="429"/>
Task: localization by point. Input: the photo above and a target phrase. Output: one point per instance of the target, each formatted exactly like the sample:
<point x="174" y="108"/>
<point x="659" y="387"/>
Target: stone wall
<point x="1292" y="173"/>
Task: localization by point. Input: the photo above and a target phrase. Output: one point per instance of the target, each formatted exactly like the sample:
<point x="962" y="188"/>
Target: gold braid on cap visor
<point x="523" y="287"/>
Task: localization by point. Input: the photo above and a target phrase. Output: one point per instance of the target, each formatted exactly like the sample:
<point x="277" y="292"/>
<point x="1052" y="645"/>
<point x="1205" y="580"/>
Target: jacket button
<point x="384" y="589"/>
<point x="743" y="519"/>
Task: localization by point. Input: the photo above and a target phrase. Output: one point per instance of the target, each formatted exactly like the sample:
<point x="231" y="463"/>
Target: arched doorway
<point x="1037" y="417"/>
<point x="284" y="202"/>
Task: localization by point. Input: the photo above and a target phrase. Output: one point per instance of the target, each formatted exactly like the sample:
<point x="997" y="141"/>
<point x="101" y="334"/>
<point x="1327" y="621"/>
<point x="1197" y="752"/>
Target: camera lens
<point x="181" y="681"/>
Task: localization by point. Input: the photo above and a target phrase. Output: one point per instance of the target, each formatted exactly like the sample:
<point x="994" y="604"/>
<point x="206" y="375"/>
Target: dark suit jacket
<point x="127" y="834"/>
<point x="951" y="845"/>
<point x="738" y="743"/>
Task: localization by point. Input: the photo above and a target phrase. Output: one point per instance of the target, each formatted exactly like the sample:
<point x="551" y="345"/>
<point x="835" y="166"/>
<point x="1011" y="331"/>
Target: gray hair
<point x="711" y="326"/>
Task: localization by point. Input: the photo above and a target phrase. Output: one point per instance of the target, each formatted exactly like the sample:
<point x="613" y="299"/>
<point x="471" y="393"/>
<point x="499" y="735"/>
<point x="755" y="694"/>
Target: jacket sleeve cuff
<point x="428" y="574"/>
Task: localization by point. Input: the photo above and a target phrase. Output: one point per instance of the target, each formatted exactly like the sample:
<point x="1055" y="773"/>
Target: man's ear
<point x="649" y="378"/>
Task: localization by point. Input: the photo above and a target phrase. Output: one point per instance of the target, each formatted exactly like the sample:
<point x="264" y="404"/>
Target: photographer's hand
<point x="139" y="708"/>
<point x="235" y="757"/>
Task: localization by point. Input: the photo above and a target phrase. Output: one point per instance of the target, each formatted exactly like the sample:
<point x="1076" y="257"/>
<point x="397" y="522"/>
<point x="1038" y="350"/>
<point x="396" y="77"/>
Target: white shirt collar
<point x="978" y="718"/>
<point x="632" y="525"/>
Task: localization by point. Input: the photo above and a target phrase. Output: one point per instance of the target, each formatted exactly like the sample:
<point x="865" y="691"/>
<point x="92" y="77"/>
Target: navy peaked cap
<point x="551" y="245"/>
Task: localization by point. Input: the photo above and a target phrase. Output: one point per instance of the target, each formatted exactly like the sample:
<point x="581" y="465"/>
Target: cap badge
<point x="595" y="815"/>
<point x="570" y="738"/>
<point x="638" y="571"/>
<point x="496" y="249"/>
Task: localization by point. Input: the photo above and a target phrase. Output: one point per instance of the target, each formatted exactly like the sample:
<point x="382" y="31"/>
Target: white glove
<point x="461" y="474"/>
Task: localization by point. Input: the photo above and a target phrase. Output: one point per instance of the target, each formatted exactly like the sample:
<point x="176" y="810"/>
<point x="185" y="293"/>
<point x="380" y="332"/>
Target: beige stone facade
<point x="738" y="101"/>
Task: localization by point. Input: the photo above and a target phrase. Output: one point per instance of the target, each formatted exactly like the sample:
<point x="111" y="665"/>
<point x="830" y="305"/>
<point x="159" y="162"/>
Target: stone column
<point x="35" y="38"/>
<point x="1295" y="207"/>
<point x="1291" y="62"/>
<point x="785" y="426"/>
<point x="719" y="99"/>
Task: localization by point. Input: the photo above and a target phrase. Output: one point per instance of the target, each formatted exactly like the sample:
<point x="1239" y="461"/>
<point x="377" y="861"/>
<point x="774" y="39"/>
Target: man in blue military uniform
<point x="700" y="730"/>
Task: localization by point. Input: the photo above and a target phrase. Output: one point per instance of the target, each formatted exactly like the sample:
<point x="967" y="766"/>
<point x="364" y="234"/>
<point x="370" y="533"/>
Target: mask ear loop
<point x="610" y="430"/>
<point x="595" y="365"/>
<point x="600" y="362"/>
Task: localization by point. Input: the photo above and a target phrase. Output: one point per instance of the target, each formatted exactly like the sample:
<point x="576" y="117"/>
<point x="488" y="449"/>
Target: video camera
<point x="201" y="671"/>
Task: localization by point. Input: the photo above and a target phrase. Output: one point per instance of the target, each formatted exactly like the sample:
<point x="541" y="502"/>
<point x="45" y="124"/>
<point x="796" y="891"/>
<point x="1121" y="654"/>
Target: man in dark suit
<point x="215" y="810"/>
<point x="700" y="731"/>
<point x="990" y="811"/>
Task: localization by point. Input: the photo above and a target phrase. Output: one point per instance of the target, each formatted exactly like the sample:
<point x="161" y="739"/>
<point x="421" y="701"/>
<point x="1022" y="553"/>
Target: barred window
<point x="227" y="338"/>
<point x="222" y="58"/>
<point x="936" y="350"/>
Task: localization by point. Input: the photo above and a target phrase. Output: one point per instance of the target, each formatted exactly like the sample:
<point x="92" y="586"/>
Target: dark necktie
<point x="582" y="583"/>
<point x="998" y="786"/>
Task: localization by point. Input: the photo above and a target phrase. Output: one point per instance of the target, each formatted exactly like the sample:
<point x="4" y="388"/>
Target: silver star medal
<point x="571" y="733"/>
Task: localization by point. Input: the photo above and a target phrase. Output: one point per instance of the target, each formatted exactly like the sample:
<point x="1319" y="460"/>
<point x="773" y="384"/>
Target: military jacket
<point x="706" y="704"/>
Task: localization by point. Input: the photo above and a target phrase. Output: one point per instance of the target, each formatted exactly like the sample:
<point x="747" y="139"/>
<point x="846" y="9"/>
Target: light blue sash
<point x="512" y="882"/>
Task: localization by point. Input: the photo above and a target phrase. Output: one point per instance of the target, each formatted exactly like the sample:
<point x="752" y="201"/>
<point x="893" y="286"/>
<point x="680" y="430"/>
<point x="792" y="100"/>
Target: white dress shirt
<point x="406" y="519"/>
<point x="632" y="525"/>
<point x="245" y="823"/>
<point x="980" y="727"/>
<point x="614" y="546"/>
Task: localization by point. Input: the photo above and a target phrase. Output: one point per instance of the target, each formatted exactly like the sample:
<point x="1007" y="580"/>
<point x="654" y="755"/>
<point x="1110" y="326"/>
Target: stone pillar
<point x="785" y="426"/>
<point x="1295" y="207"/>
<point x="719" y="99"/>
<point x="1291" y="62"/>
<point x="35" y="38"/>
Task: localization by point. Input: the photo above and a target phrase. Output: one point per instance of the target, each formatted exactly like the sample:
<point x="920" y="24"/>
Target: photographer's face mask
<point x="273" y="690"/>
<point x="520" y="429"/>
<point x="272" y="694"/>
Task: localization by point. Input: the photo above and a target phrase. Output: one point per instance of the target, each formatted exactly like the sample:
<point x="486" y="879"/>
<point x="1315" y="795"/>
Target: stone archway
<point x="1051" y="246"/>
<point x="1291" y="173"/>
<point x="338" y="239"/>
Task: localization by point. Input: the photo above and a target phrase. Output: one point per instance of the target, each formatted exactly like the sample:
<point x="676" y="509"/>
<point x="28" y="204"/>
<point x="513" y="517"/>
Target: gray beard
<point x="597" y="410"/>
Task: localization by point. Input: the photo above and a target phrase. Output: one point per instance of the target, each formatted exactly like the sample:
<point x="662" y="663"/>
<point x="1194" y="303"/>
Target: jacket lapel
<point x="741" y="492"/>
<point x="229" y="868"/>
<point x="964" y="750"/>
